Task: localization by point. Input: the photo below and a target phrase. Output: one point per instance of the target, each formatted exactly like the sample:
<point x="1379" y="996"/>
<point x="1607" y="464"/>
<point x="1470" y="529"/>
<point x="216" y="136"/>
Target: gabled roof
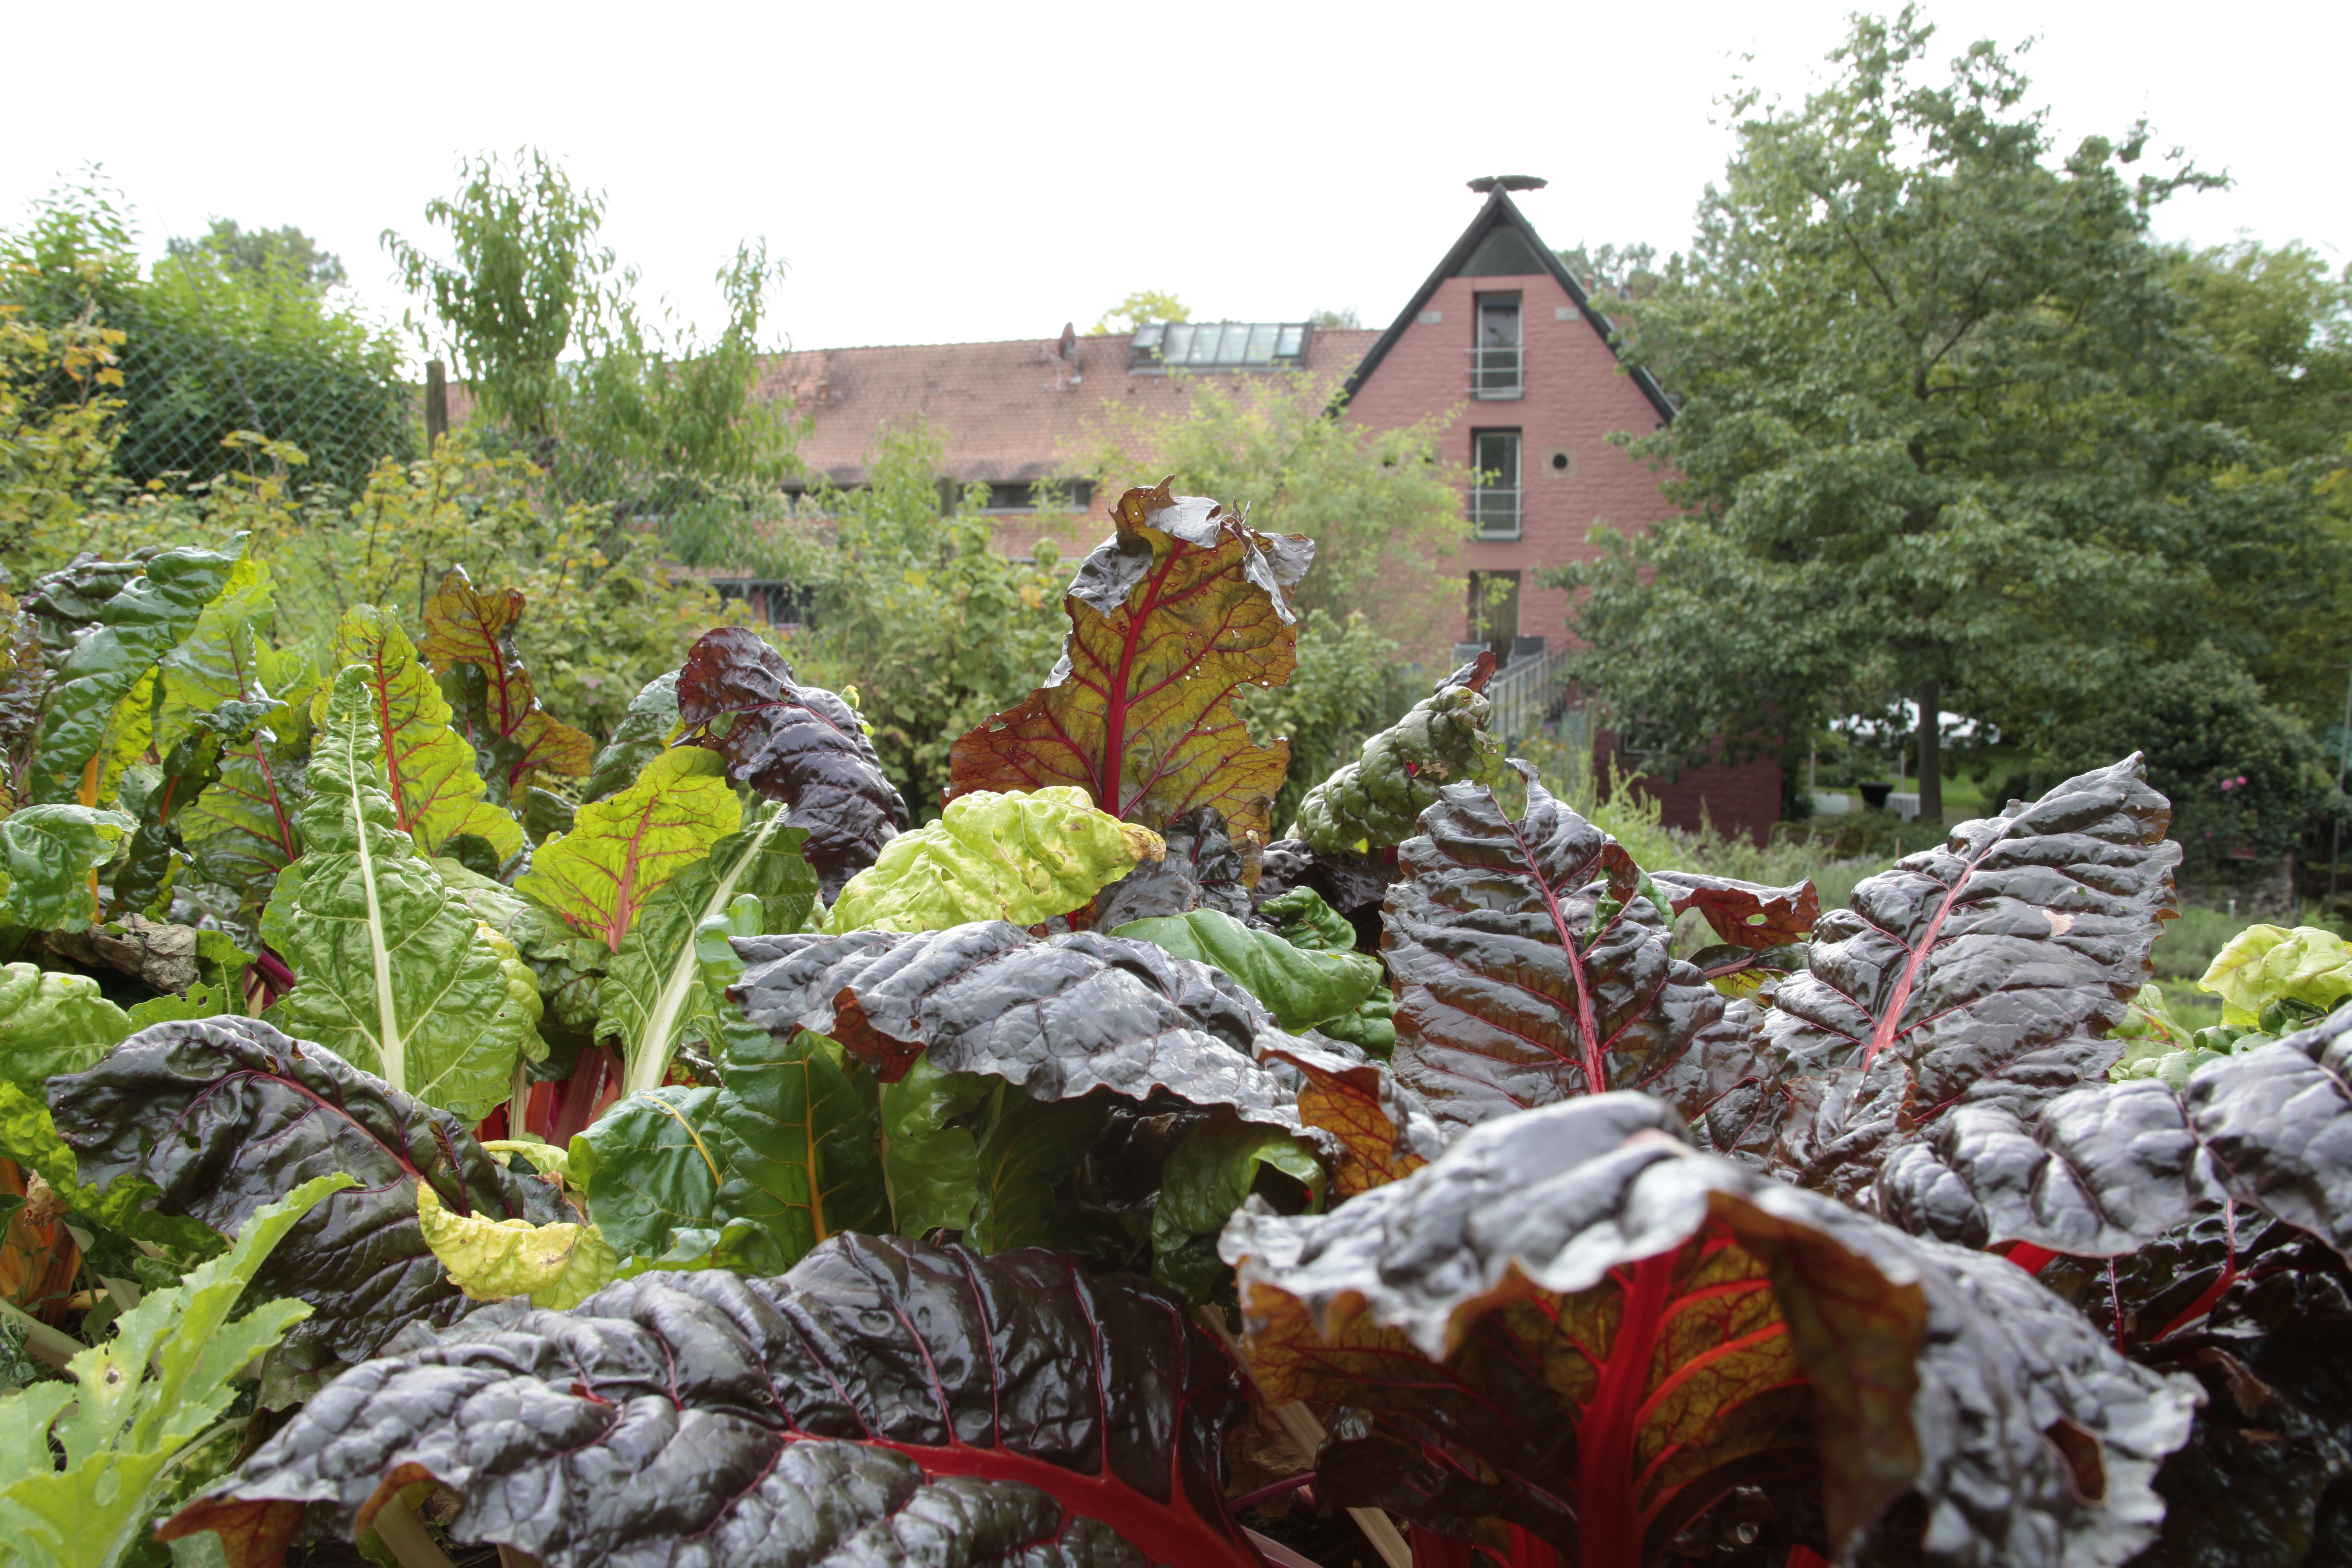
<point x="1499" y="213"/>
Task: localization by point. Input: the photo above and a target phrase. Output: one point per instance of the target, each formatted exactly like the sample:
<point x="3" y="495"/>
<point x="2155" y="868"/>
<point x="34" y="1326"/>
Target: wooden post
<point x="436" y="404"/>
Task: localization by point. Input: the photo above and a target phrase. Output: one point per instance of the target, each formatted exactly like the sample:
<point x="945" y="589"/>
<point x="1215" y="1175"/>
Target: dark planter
<point x="1873" y="795"/>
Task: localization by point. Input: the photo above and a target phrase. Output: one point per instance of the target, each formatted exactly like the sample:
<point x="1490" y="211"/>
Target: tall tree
<point x="1908" y="342"/>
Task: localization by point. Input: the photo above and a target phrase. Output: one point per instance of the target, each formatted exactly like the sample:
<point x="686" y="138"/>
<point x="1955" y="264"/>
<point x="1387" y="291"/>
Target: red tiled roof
<point x="1009" y="411"/>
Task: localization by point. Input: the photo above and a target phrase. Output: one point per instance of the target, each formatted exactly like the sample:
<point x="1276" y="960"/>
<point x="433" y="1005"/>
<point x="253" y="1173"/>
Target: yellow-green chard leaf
<point x="653" y="991"/>
<point x="1209" y="1176"/>
<point x="393" y="971"/>
<point x="49" y="853"/>
<point x="137" y="1403"/>
<point x="557" y="1266"/>
<point x="2266" y="963"/>
<point x="435" y="792"/>
<point x="622" y="850"/>
<point x="933" y="1168"/>
<point x="1022" y="856"/>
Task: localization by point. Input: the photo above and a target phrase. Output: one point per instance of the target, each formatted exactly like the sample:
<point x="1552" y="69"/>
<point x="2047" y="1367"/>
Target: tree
<point x="635" y="409"/>
<point x="1345" y="320"/>
<point x="1385" y="511"/>
<point x="263" y="250"/>
<point x="1143" y="305"/>
<point x="1917" y="444"/>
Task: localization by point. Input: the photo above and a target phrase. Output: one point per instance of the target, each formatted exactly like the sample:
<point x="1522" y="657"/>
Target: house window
<point x="772" y="602"/>
<point x="1495" y="354"/>
<point x="1161" y="346"/>
<point x="1049" y="495"/>
<point x="1495" y="484"/>
<point x="1495" y="611"/>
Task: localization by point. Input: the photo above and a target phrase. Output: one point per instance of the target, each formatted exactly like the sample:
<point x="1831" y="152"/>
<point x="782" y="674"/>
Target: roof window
<point x="1162" y="346"/>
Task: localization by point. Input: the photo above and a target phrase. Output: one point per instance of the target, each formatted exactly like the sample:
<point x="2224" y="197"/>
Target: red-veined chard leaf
<point x="1183" y="606"/>
<point x="1059" y="1017"/>
<point x="800" y="745"/>
<point x="1992" y="968"/>
<point x="652" y="995"/>
<point x="138" y="623"/>
<point x="1384" y="1132"/>
<point x="392" y="971"/>
<point x="1375" y="801"/>
<point x="2103" y="1171"/>
<point x="622" y="850"/>
<point x="1529" y="964"/>
<point x="1572" y="1322"/>
<point x="1003" y="1410"/>
<point x="225" y="1114"/>
<point x="465" y="627"/>
<point x="437" y="796"/>
<point x="1745" y="914"/>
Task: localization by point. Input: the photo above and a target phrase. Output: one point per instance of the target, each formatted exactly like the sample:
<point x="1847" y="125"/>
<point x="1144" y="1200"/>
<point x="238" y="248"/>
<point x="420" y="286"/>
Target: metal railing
<point x="1495" y="373"/>
<point x="1495" y="511"/>
<point x="1521" y="697"/>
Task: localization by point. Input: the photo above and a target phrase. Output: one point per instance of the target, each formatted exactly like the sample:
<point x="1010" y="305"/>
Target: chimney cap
<point x="1485" y="183"/>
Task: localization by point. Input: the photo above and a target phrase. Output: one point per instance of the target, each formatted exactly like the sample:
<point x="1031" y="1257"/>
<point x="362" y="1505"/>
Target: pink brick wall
<point x="1574" y="397"/>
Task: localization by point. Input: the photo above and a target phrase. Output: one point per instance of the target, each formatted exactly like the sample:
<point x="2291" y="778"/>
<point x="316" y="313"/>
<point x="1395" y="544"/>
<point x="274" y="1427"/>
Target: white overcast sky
<point x="937" y="172"/>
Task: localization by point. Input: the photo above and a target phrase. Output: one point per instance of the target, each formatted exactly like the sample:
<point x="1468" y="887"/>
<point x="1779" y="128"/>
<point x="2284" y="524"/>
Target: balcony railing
<point x="1494" y="375"/>
<point x="1495" y="511"/>
<point x="1526" y="694"/>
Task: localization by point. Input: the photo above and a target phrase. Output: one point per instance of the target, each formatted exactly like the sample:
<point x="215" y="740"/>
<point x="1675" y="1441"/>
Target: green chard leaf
<point x="2265" y="964"/>
<point x="783" y="1143"/>
<point x="149" y="617"/>
<point x="653" y="988"/>
<point x="933" y="1167"/>
<point x="435" y="793"/>
<point x="1022" y="856"/>
<point x="1213" y="1173"/>
<point x="643" y="734"/>
<point x="569" y="967"/>
<point x="1302" y="989"/>
<point x="394" y="973"/>
<point x="622" y="850"/>
<point x="1377" y="800"/>
<point x="138" y="1402"/>
<point x="50" y="854"/>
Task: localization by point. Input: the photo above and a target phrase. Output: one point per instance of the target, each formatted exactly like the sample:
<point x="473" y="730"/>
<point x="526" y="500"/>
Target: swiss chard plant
<point x="740" y="1173"/>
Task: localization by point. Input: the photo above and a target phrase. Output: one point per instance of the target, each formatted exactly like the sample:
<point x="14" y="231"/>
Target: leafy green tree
<point x="1143" y="305"/>
<point x="1916" y="446"/>
<point x="619" y="405"/>
<point x="1384" y="511"/>
<point x="263" y="250"/>
<point x="1346" y="687"/>
<point x="213" y="346"/>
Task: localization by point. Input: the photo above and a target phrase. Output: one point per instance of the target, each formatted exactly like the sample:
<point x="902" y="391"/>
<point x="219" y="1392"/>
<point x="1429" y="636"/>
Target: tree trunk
<point x="1931" y="754"/>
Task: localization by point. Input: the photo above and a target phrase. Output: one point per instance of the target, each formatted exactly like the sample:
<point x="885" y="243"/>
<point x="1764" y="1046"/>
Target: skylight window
<point x="1161" y="346"/>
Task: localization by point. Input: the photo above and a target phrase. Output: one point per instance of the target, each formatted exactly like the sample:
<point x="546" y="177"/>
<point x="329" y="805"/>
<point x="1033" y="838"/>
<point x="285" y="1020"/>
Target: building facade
<point x="1499" y="337"/>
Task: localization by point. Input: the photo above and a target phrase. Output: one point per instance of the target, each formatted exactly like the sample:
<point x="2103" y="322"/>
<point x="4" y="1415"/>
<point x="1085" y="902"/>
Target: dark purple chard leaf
<point x="1744" y="914"/>
<point x="2102" y="1171"/>
<point x="884" y="1401"/>
<point x="1573" y="1323"/>
<point x="1059" y="1018"/>
<point x="225" y="1114"/>
<point x="791" y="742"/>
<point x="1994" y="966"/>
<point x="1204" y="869"/>
<point x="1528" y="965"/>
<point x="1735" y="1095"/>
<point x="1346" y="882"/>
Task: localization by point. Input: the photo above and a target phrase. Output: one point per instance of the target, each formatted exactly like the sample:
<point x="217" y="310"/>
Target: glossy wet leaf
<point x="643" y="734"/>
<point x="1211" y="1173"/>
<point x="1383" y="1131"/>
<point x="392" y="971"/>
<point x="1204" y="869"/>
<point x="622" y="850"/>
<point x="1573" y="1322"/>
<point x="1528" y="966"/>
<point x="1022" y="857"/>
<point x="933" y="1167"/>
<point x="224" y="1115"/>
<point x="1377" y="800"/>
<point x="2265" y="964"/>
<point x="1170" y="617"/>
<point x="1302" y="988"/>
<point x="48" y="854"/>
<point x="1743" y="914"/>
<point x="1008" y="1409"/>
<point x="799" y="744"/>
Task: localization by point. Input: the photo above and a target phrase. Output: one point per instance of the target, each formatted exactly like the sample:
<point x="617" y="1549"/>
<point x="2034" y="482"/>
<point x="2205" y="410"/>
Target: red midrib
<point x="391" y="756"/>
<point x="1115" y="701"/>
<point x="1163" y="1532"/>
<point x="1888" y="1024"/>
<point x="1596" y="1079"/>
<point x="1608" y="1517"/>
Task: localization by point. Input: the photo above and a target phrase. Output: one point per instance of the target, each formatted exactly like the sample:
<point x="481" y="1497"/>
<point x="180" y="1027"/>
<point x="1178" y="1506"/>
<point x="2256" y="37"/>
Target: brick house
<point x="1499" y="335"/>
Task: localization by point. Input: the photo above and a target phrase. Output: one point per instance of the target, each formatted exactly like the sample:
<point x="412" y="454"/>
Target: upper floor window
<point x="1074" y="495"/>
<point x="1218" y="345"/>
<point x="1495" y="353"/>
<point x="1495" y="484"/>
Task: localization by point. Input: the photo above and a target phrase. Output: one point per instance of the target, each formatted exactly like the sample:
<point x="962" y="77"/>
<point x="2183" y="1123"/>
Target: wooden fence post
<point x="436" y="404"/>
